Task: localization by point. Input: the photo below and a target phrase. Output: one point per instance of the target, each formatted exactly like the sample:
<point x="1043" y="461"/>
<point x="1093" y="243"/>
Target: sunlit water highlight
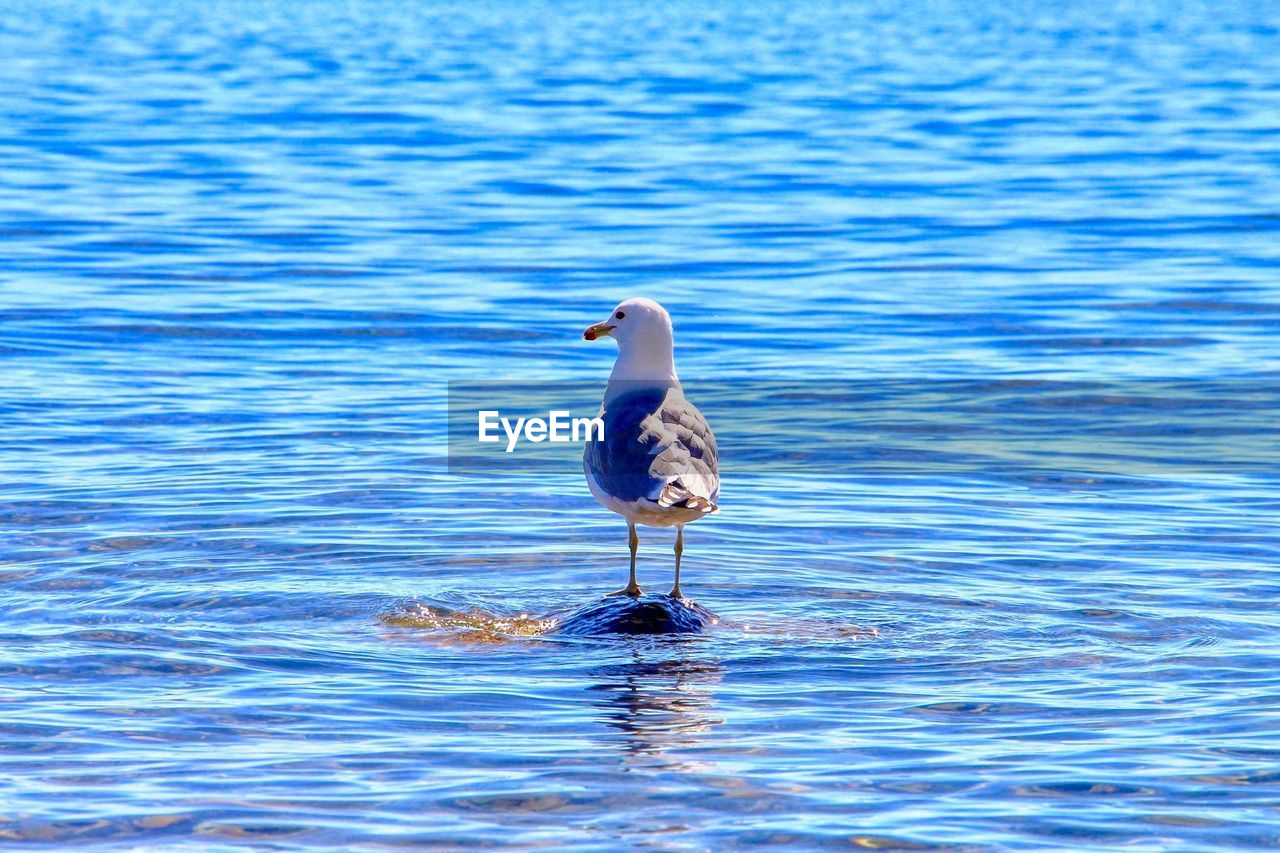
<point x="246" y="246"/>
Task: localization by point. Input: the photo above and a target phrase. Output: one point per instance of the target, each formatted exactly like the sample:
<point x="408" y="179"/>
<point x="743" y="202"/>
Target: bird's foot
<point x="631" y="590"/>
<point x="676" y="593"/>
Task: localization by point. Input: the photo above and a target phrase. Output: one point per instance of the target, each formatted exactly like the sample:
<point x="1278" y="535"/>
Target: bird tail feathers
<point x="676" y="495"/>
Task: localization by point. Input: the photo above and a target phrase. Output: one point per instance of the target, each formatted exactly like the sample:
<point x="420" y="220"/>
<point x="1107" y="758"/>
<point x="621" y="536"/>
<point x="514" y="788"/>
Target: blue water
<point x="245" y="247"/>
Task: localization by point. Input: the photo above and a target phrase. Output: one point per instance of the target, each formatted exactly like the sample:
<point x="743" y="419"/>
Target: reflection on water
<point x="662" y="700"/>
<point x="1027" y="603"/>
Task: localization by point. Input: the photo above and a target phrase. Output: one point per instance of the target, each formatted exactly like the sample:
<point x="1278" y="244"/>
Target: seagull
<point x="656" y="464"/>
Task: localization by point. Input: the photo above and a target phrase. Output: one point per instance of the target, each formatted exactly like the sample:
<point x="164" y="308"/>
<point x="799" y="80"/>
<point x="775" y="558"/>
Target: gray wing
<point x="657" y="446"/>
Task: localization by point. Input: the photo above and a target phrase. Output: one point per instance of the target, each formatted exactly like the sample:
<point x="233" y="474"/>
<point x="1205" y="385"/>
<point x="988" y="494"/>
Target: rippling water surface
<point x="1020" y="591"/>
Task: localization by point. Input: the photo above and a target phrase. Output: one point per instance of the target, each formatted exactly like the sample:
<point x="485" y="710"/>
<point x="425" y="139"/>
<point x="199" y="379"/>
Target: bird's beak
<point x="593" y="332"/>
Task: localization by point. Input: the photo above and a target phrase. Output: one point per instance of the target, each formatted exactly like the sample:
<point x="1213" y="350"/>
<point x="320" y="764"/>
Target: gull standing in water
<point x="657" y="462"/>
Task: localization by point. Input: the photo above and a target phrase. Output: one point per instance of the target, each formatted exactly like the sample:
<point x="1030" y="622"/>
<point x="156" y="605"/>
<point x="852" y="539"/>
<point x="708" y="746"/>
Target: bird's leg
<point x="675" y="590"/>
<point x="633" y="588"/>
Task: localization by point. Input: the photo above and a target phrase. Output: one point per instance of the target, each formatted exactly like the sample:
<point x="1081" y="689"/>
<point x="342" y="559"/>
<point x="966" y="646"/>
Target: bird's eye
<point x="619" y="315"/>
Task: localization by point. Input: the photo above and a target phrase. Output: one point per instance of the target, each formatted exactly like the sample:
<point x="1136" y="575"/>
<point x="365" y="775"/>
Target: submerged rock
<point x="648" y="614"/>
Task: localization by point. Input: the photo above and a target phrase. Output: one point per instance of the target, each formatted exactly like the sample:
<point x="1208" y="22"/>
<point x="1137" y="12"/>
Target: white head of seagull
<point x="642" y="329"/>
